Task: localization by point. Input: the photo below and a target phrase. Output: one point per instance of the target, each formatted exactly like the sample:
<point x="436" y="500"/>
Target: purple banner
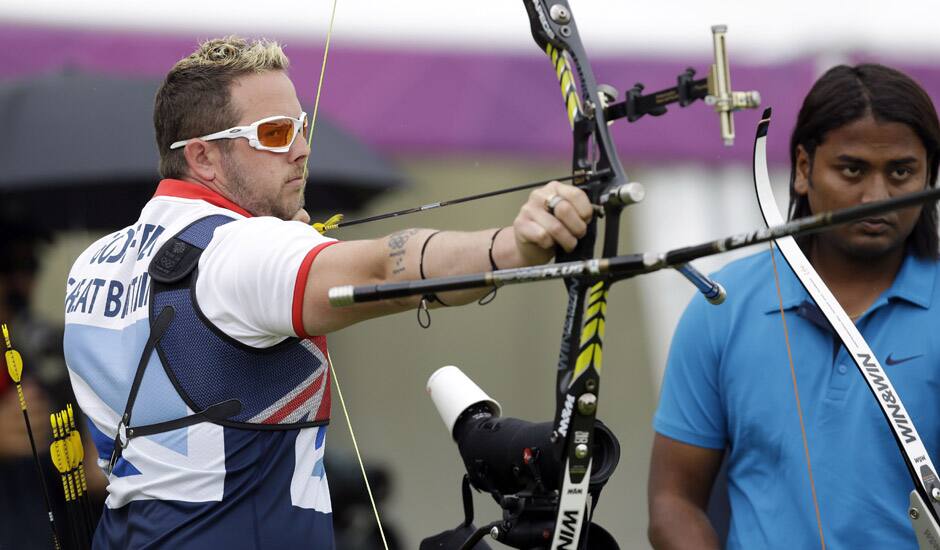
<point x="417" y="101"/>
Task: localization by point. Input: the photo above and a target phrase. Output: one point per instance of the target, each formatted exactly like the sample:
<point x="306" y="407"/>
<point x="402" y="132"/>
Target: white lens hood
<point x="453" y="392"/>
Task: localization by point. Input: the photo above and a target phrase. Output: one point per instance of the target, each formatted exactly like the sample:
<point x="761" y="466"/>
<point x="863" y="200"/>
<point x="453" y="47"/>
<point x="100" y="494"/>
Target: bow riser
<point x="579" y="362"/>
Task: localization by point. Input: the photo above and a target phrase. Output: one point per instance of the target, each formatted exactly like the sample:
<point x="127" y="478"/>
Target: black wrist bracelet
<point x="423" y="248"/>
<point x="491" y="295"/>
<point x="430" y="297"/>
<point x="490" y="252"/>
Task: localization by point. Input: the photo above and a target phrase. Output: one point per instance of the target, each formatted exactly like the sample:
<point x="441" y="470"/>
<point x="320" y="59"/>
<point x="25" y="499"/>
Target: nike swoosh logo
<point x="892" y="361"/>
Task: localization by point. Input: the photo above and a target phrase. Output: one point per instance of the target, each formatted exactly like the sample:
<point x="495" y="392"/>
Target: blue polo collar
<point x="914" y="283"/>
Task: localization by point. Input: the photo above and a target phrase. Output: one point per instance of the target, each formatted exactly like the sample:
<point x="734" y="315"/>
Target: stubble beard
<point x="250" y="198"/>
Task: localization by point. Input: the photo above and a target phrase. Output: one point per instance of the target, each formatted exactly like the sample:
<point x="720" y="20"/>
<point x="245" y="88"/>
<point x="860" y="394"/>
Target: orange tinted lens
<point x="277" y="133"/>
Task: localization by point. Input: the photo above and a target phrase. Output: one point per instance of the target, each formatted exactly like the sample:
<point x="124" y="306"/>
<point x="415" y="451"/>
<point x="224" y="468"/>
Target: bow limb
<point x="796" y="258"/>
<point x="923" y="474"/>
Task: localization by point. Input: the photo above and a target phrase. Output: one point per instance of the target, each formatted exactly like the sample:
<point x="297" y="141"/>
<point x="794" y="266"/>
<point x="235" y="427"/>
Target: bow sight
<point x="714" y="90"/>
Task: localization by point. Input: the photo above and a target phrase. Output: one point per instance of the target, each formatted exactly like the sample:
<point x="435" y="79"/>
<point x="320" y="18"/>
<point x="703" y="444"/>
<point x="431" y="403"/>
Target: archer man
<point x="831" y="477"/>
<point x="195" y="338"/>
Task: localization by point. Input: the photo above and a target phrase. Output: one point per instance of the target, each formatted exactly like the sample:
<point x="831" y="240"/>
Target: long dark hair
<point x="846" y="94"/>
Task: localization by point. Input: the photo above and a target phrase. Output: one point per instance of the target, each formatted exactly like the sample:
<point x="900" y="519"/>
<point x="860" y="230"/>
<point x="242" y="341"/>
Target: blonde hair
<point x="235" y="54"/>
<point x="195" y="97"/>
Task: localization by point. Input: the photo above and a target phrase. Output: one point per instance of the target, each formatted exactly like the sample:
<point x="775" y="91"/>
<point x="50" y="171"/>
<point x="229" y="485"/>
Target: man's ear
<point x="202" y="159"/>
<point x="804" y="168"/>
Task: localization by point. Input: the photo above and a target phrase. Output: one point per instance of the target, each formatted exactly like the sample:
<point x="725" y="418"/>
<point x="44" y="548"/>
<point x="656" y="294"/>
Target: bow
<point x="924" y="508"/>
<point x="579" y="359"/>
<point x="596" y="168"/>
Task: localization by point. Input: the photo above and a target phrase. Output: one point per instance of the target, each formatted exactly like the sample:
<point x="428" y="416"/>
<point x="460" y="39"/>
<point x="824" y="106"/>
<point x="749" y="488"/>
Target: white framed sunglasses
<point x="274" y="133"/>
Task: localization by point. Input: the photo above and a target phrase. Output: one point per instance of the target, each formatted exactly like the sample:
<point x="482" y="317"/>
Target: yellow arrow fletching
<point x="77" y="452"/>
<point x="332" y="223"/>
<point x="63" y="435"/>
<point x="57" y="452"/>
<point x="14" y="365"/>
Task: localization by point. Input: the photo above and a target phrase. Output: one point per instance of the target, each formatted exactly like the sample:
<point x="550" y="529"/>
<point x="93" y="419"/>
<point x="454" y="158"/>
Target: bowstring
<point x="329" y="360"/>
<point x="352" y="436"/>
<point x="316" y="100"/>
<point x="796" y="392"/>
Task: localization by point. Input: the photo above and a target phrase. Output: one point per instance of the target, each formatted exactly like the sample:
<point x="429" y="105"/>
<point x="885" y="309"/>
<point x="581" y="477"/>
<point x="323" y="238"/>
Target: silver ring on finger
<point x="552" y="202"/>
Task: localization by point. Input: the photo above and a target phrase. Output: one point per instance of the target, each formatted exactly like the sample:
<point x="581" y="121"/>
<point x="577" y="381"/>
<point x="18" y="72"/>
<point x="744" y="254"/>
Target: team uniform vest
<point x="284" y="387"/>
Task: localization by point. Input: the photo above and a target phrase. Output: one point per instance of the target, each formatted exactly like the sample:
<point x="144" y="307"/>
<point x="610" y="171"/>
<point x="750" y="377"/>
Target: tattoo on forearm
<point x="396" y="247"/>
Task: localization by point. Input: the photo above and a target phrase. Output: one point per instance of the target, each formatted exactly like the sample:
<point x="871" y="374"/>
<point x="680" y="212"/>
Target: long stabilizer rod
<point x="628" y="265"/>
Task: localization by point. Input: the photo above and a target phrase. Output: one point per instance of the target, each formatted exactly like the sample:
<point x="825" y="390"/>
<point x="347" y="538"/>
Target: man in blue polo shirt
<point x="863" y="134"/>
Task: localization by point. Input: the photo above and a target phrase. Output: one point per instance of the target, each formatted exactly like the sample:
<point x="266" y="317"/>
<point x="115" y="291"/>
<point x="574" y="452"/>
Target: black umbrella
<point x="78" y="151"/>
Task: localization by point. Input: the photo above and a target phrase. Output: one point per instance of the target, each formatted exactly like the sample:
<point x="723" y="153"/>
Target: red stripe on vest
<point x="296" y="402"/>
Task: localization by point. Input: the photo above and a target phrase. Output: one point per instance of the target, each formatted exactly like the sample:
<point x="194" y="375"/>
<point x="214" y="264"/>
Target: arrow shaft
<point x="431" y="206"/>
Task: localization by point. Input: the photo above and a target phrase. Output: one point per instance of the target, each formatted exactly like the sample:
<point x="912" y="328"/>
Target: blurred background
<point x="422" y="101"/>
